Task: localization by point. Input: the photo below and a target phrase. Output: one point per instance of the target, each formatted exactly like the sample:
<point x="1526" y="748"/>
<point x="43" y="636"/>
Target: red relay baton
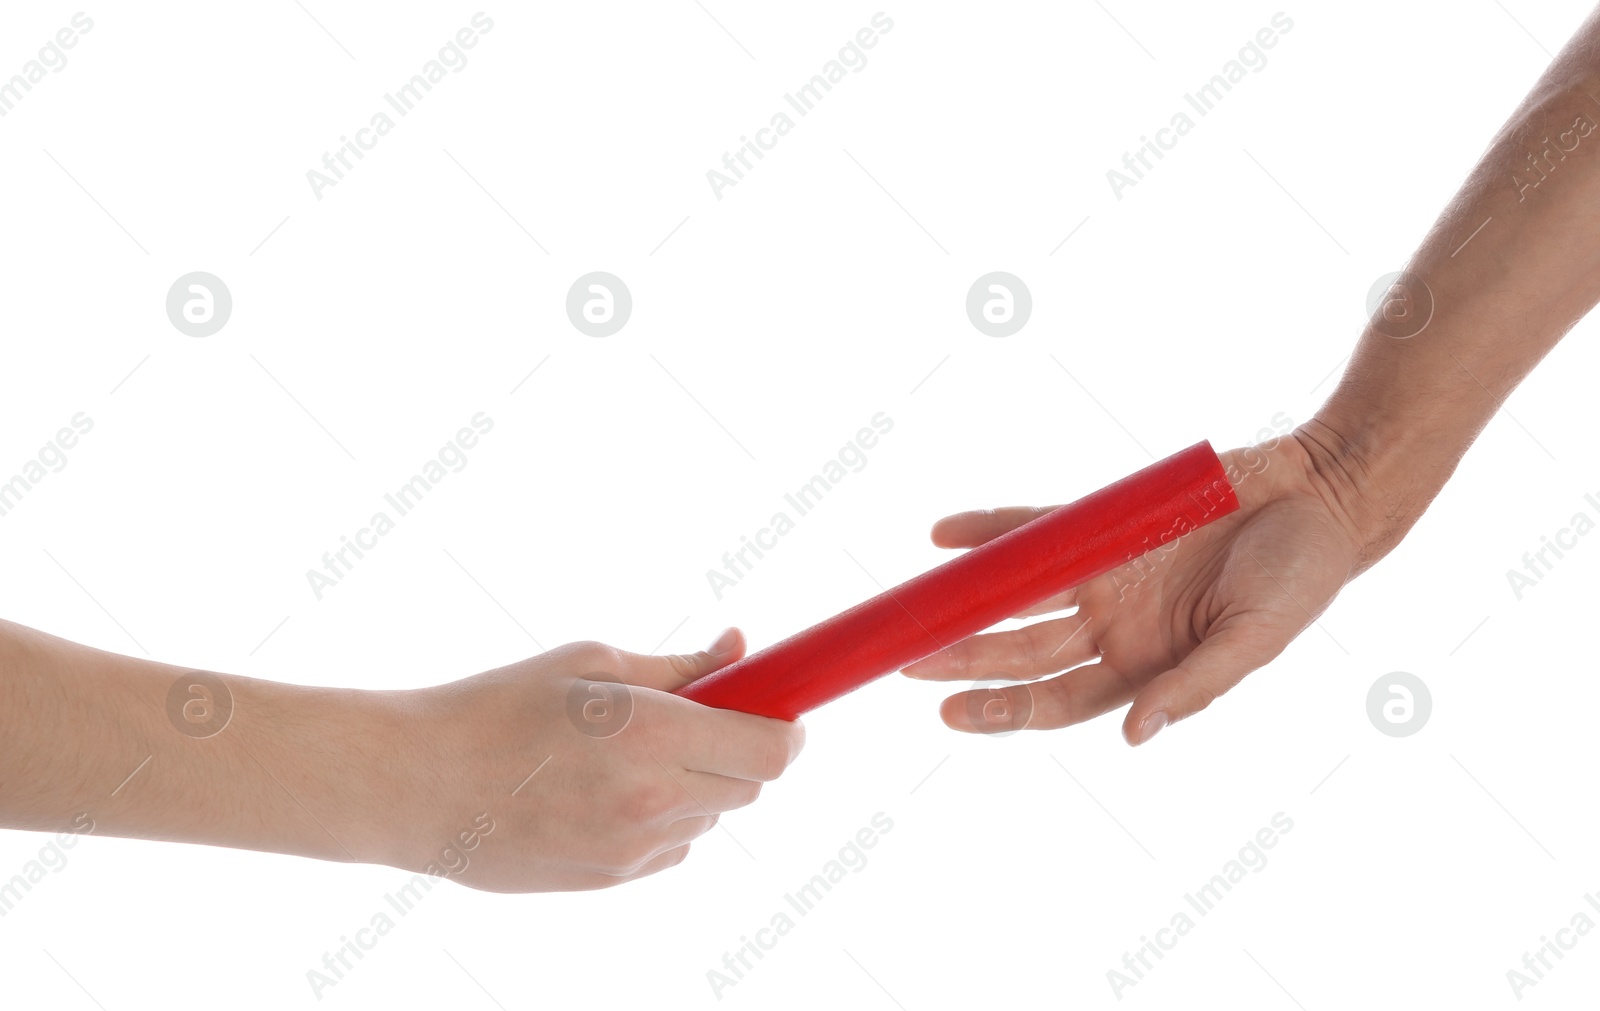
<point x="1065" y="547"/>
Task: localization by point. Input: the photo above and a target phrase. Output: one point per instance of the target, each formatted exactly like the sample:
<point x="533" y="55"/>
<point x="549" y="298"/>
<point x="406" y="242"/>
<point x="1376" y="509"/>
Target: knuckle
<point x="594" y="656"/>
<point x="1056" y="693"/>
<point x="739" y="793"/>
<point x="638" y="857"/>
<point x="774" y="758"/>
<point x="622" y="862"/>
<point x="748" y="793"/>
<point x="686" y="668"/>
<point x="1030" y="656"/>
<point x="1023" y="704"/>
<point x="644" y="804"/>
<point x="623" y="854"/>
<point x="779" y="749"/>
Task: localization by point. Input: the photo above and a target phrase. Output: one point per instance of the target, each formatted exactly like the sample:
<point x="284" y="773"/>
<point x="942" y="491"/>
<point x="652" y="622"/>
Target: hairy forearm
<point x="1511" y="264"/>
<point x="92" y="738"/>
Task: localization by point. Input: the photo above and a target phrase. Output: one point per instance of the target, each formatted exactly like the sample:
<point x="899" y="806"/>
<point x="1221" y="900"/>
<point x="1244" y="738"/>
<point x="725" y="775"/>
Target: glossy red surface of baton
<point x="1023" y="567"/>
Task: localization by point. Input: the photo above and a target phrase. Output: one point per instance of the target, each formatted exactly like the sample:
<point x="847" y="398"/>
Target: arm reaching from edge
<point x="575" y="769"/>
<point x="1512" y="263"/>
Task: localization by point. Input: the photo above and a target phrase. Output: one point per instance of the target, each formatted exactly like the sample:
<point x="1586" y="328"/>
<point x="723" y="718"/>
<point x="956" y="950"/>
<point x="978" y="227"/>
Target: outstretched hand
<point x="1171" y="631"/>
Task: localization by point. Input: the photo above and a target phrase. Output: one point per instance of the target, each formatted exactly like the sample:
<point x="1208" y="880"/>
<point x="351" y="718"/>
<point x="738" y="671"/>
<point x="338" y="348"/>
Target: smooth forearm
<point x="567" y="794"/>
<point x="294" y="770"/>
<point x="1511" y="264"/>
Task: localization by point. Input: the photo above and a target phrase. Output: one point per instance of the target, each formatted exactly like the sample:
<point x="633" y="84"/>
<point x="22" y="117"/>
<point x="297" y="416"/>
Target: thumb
<point x="668" y="673"/>
<point x="1214" y="666"/>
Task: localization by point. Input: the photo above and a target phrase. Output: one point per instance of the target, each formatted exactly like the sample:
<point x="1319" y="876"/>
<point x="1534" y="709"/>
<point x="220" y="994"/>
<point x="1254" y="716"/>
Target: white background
<point x="1218" y="292"/>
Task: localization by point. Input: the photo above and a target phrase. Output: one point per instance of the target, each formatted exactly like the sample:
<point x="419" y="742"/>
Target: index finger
<point x="972" y="528"/>
<point x="722" y="742"/>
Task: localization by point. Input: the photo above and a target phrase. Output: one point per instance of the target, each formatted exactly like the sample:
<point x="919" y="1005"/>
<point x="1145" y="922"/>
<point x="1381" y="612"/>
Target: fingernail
<point x="1151" y="726"/>
<point x="725" y="642"/>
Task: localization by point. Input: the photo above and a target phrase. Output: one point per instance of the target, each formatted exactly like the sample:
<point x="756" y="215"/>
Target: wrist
<point x="332" y="764"/>
<point x="1379" y="480"/>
